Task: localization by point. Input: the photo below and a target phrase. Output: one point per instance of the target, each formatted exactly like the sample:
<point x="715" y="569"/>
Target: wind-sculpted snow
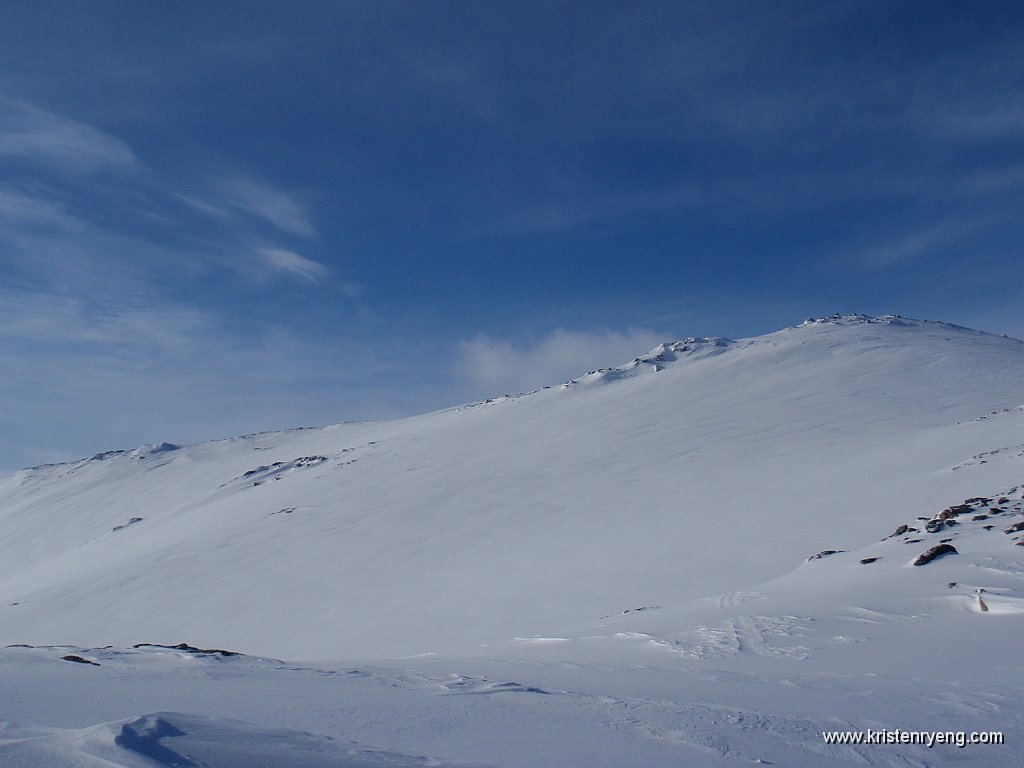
<point x="893" y="320"/>
<point x="619" y="571"/>
<point x="654" y="361"/>
<point x="181" y="740"/>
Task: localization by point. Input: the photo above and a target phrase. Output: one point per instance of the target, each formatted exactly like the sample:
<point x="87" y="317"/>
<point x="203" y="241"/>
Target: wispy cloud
<point x="51" y="240"/>
<point x="918" y="243"/>
<point x="289" y="261"/>
<point x="29" y="132"/>
<point x="67" y="321"/>
<point x="989" y="121"/>
<point x="500" y="366"/>
<point x="21" y="209"/>
<point x="63" y="231"/>
<point x="274" y="205"/>
<point x="202" y="206"/>
<point x="81" y="375"/>
<point x="995" y="181"/>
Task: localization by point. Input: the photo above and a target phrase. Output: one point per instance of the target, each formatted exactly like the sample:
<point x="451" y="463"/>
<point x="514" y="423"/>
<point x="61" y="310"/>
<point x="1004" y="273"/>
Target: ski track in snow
<point x="758" y="635"/>
<point x="732" y="599"/>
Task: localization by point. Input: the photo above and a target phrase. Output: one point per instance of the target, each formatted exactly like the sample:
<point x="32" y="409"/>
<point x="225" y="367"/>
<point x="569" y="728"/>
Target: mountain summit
<point x="717" y="552"/>
<point x="727" y="467"/>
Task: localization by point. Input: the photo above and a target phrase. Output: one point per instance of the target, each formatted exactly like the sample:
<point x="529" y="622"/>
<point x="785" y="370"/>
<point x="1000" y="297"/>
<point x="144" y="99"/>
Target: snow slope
<point x="613" y="571"/>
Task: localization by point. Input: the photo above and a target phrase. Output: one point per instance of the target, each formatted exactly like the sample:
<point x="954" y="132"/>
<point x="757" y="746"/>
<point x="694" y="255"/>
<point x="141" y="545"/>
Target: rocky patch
<point x="278" y="469"/>
<point x="825" y="553"/>
<point x="935" y="552"/>
<point x="190" y="649"/>
<point x="79" y="660"/>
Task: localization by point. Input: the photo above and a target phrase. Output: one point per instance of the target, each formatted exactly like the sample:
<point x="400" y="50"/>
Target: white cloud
<point x="289" y="261"/>
<point x="44" y="244"/>
<point x="83" y="375"/>
<point x="202" y="206"/>
<point x="500" y="366"/>
<point x="981" y="121"/>
<point x="273" y="205"/>
<point x="66" y="321"/>
<point x="920" y="242"/>
<point x="22" y="209"/>
<point x="26" y="131"/>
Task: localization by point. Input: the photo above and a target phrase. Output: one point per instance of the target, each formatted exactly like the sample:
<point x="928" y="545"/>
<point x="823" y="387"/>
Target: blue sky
<point x="264" y="215"/>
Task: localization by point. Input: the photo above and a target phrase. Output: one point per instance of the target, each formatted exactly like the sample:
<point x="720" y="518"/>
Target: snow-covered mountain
<point x="701" y="557"/>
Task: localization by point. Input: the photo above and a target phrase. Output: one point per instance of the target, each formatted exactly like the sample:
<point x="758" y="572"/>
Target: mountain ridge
<point x="668" y="352"/>
<point x="590" y="494"/>
<point x="712" y="554"/>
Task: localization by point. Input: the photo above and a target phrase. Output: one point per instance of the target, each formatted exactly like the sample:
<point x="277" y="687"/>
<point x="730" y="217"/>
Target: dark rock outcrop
<point x="937" y="551"/>
<point x="825" y="553"/>
<point x="79" y="660"/>
<point x="189" y="649"/>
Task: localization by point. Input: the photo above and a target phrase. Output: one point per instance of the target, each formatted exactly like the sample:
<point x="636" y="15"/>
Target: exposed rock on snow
<point x="935" y="552"/>
<point x="189" y="649"/>
<point x="825" y="553"/>
<point x="79" y="660"/>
